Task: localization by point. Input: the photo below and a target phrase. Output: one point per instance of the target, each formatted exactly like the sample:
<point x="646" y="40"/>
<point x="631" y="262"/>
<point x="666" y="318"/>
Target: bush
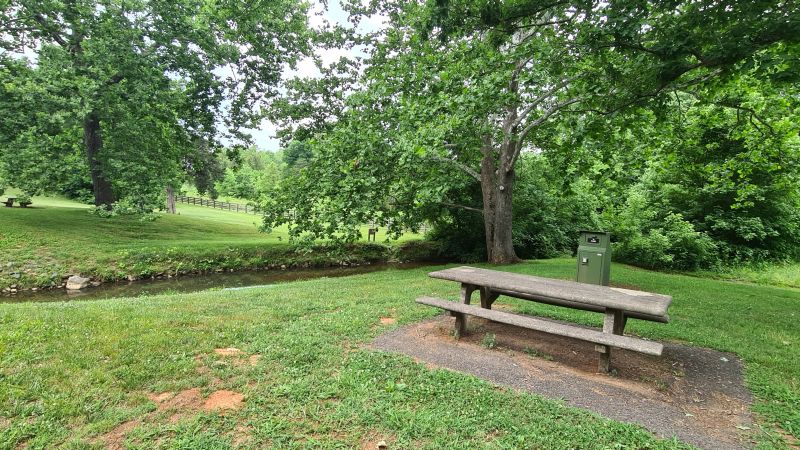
<point x="23" y="199"/>
<point x="548" y="216"/>
<point x="126" y="208"/>
<point x="646" y="237"/>
<point x="674" y="245"/>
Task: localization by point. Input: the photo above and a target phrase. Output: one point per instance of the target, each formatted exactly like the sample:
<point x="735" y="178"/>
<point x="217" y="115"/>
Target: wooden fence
<point x="227" y="206"/>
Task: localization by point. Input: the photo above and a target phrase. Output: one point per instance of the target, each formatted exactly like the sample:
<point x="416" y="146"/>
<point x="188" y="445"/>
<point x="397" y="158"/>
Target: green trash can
<point x="594" y="257"/>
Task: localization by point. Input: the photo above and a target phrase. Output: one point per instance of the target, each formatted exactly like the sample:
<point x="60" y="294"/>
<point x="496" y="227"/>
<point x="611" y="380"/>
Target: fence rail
<point x="227" y="206"/>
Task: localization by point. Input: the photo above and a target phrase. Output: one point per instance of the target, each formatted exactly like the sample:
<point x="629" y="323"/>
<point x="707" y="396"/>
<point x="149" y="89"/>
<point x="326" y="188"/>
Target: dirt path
<point x="694" y="394"/>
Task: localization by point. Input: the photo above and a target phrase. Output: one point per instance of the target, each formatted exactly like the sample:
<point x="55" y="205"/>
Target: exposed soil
<point x="115" y="439"/>
<point x="222" y="400"/>
<point x="694" y="394"/>
<point x="185" y="403"/>
<point x="228" y="352"/>
<point x="387" y="320"/>
<point x="372" y="442"/>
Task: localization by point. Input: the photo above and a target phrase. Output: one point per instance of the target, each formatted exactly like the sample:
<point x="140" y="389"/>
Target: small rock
<point x="382" y="445"/>
<point x="75" y="283"/>
<point x="724" y="359"/>
<point x="283" y="266"/>
<point x="132" y="278"/>
<point x="96" y="283"/>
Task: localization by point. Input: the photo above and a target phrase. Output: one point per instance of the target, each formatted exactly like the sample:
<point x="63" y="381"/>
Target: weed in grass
<point x="489" y="340"/>
<point x="537" y="353"/>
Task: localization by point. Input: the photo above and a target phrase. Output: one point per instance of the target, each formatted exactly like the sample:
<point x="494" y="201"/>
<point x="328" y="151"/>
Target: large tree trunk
<point x="497" y="187"/>
<point x="170" y="200"/>
<point x="93" y="140"/>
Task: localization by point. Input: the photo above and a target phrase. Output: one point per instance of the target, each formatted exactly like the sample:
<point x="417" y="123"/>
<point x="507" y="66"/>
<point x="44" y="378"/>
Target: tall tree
<point x="469" y="86"/>
<point x="139" y="82"/>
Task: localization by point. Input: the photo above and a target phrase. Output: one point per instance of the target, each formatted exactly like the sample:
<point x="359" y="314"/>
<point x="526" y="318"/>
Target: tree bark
<point x="93" y="141"/>
<point x="170" y="200"/>
<point x="497" y="187"/>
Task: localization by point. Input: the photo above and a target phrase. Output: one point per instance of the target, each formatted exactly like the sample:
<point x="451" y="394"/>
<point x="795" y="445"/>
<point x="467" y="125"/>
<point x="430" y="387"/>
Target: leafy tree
<point x="297" y="154"/>
<point x="252" y="175"/>
<point x="465" y="87"/>
<point x="138" y="84"/>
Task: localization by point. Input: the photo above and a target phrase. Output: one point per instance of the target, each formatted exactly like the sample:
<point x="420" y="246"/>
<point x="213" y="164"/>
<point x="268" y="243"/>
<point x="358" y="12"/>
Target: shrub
<point x="127" y="208"/>
<point x="646" y="237"/>
<point x="24" y="199"/>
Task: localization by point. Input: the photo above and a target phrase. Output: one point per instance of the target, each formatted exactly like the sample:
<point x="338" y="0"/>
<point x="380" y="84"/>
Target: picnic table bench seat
<point x="617" y="304"/>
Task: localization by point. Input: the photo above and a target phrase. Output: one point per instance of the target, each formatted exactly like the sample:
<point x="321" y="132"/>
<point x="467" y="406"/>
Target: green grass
<point x="774" y="274"/>
<point x="54" y="237"/>
<point x="71" y="372"/>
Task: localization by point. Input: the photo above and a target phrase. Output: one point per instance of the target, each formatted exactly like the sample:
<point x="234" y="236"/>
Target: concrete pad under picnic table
<point x="694" y="394"/>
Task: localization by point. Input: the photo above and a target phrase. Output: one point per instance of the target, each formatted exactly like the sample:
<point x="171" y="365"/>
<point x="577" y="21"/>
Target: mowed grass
<point x="775" y="274"/>
<point x="55" y="237"/>
<point x="72" y="373"/>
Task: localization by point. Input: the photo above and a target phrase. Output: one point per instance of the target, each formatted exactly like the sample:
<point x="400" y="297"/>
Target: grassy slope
<point x="778" y="274"/>
<point x="59" y="236"/>
<point x="73" y="371"/>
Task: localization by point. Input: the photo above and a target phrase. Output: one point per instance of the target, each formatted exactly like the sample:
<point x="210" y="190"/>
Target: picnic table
<point x="616" y="304"/>
<point x="10" y="202"/>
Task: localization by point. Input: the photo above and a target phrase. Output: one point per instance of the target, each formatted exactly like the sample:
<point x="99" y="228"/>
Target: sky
<point x="264" y="137"/>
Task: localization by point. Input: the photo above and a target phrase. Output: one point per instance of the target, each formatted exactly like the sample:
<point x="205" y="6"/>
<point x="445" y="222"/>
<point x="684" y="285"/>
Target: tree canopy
<point x="140" y="90"/>
<point x="454" y="92"/>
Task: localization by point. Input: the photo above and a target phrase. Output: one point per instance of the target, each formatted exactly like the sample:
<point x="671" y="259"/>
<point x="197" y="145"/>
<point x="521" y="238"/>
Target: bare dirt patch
<point x="694" y="394"/>
<point x="115" y="439"/>
<point x="373" y="442"/>
<point x="229" y="352"/>
<point x="187" y="402"/>
<point x="388" y="320"/>
<point x="238" y="357"/>
<point x="223" y="400"/>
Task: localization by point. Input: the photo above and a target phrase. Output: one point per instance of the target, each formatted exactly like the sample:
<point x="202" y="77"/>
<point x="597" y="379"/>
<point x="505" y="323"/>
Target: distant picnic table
<point x="616" y="304"/>
<point x="10" y="202"/>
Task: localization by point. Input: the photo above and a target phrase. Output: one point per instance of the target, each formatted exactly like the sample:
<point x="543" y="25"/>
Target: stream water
<point x="194" y="283"/>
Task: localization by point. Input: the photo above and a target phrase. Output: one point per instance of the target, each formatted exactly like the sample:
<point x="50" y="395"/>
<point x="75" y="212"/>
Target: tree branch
<point x="544" y="97"/>
<point x="46" y="28"/>
<point x="734" y="104"/>
<point x="463" y="167"/>
<point x="467" y="208"/>
<point x="547" y="114"/>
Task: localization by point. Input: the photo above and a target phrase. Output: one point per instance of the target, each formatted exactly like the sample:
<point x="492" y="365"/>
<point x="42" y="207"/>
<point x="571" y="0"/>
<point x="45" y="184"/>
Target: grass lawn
<point x="776" y="274"/>
<point x="55" y="237"/>
<point x="74" y="373"/>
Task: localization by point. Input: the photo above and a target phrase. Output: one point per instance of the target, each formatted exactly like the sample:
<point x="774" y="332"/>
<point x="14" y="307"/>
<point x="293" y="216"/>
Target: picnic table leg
<point x="488" y="297"/>
<point x="461" y="318"/>
<point x="614" y="323"/>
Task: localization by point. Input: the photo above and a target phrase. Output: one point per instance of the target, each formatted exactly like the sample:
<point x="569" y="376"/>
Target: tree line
<point x="513" y="124"/>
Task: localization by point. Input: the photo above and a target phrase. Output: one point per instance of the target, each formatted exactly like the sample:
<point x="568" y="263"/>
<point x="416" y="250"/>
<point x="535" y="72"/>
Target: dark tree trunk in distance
<point x="93" y="140"/>
<point x="170" y="200"/>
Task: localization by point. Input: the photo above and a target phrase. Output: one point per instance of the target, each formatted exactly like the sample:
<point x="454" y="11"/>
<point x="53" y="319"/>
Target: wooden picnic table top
<point x="605" y="296"/>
